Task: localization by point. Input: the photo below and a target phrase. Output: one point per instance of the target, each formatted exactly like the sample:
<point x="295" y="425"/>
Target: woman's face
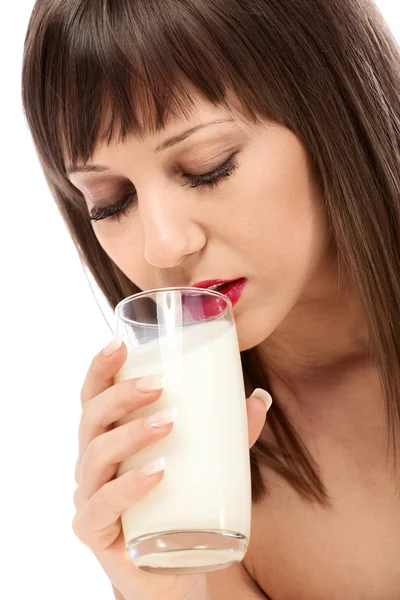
<point x="255" y="216"/>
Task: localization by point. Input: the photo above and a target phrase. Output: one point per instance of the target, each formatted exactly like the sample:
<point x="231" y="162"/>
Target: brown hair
<point x="326" y="69"/>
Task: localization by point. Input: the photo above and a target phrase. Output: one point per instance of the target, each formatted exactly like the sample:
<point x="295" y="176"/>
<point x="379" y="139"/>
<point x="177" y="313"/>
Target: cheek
<point x="277" y="220"/>
<point x="286" y="263"/>
<point x="280" y="232"/>
<point x="122" y="242"/>
<point x="108" y="240"/>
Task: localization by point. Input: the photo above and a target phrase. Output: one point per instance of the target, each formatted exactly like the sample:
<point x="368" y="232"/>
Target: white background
<point x="50" y="329"/>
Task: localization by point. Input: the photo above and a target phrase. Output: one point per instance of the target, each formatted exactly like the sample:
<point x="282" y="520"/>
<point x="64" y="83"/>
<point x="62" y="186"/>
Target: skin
<point x="176" y="235"/>
<point x="100" y="498"/>
<point x="264" y="222"/>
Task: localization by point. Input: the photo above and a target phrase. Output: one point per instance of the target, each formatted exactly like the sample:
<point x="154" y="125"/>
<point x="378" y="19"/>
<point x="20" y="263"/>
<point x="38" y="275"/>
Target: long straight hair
<point x="329" y="70"/>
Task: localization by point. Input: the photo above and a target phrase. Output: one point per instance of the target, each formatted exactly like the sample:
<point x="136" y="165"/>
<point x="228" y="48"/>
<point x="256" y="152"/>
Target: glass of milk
<point x="197" y="519"/>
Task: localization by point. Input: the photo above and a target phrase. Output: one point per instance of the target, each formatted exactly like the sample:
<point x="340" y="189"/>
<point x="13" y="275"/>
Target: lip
<point x="210" y="282"/>
<point x="232" y="288"/>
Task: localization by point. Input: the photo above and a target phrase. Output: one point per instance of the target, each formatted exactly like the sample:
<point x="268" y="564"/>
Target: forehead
<point x="179" y="124"/>
<point x="190" y="110"/>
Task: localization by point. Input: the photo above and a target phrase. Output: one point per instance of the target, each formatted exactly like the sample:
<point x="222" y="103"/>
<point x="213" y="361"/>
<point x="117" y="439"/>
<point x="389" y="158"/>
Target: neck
<point x="323" y="333"/>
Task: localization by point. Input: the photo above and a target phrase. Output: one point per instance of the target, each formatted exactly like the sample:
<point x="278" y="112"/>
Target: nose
<point x="170" y="232"/>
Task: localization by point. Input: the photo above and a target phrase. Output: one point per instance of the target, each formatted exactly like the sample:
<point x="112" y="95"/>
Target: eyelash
<point x="208" y="180"/>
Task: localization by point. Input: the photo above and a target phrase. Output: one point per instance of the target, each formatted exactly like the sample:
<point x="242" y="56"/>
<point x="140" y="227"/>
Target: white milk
<point x="206" y="485"/>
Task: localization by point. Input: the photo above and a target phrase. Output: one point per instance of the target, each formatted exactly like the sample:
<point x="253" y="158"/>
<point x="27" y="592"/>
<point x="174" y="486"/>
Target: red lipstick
<point x="231" y="288"/>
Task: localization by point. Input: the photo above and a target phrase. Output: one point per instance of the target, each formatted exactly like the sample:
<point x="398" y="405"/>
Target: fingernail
<point x="264" y="396"/>
<point x="151" y="383"/>
<point x="157" y="466"/>
<point x="162" y="418"/>
<point x="111" y="347"/>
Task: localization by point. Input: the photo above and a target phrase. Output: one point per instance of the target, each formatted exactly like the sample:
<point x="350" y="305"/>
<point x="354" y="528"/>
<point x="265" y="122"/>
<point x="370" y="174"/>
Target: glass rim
<point x="205" y="291"/>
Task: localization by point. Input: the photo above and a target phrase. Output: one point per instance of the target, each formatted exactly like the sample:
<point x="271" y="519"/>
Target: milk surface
<point x="206" y="485"/>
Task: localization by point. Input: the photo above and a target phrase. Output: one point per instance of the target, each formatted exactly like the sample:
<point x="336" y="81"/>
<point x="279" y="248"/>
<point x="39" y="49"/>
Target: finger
<point x="102" y="371"/>
<point x="100" y="462"/>
<point x="111" y="406"/>
<point x="257" y="407"/>
<point x="98" y="524"/>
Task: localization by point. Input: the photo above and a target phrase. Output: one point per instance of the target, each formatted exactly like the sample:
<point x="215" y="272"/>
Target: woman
<point x="186" y="140"/>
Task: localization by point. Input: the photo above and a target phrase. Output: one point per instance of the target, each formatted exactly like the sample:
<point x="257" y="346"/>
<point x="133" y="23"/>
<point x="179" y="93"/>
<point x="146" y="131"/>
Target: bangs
<point x="112" y="68"/>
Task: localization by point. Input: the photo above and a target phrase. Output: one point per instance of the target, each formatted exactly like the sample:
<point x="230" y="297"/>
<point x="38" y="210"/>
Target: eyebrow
<point x="163" y="146"/>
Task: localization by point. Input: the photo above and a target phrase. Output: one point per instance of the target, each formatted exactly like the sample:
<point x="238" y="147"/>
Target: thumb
<point x="258" y="405"/>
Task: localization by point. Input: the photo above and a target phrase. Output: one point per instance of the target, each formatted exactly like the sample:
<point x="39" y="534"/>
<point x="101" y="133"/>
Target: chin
<point x="252" y="331"/>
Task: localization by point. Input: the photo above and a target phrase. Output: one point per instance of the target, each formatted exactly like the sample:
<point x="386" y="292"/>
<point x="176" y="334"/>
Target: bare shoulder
<point x="234" y="583"/>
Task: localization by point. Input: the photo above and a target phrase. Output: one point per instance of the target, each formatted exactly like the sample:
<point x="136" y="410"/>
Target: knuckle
<point x="93" y="451"/>
<point x="86" y="417"/>
<point x="85" y="395"/>
<point x="93" y="367"/>
<point x="124" y="440"/>
<point x="77" y="472"/>
<point x="82" y="396"/>
<point x="102" y="502"/>
<point x="77" y="526"/>
<point x="92" y="414"/>
<point x="81" y="428"/>
<point x="76" y="497"/>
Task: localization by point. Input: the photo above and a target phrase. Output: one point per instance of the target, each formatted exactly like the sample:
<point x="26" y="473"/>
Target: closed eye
<point x="207" y="180"/>
<point x="211" y="179"/>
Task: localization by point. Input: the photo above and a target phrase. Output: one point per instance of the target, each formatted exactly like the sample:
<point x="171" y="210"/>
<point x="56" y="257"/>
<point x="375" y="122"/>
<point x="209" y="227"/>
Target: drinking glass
<point x="197" y="519"/>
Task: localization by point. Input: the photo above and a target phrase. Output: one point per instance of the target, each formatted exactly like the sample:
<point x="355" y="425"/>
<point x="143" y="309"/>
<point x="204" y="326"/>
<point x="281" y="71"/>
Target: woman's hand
<point x="101" y="498"/>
